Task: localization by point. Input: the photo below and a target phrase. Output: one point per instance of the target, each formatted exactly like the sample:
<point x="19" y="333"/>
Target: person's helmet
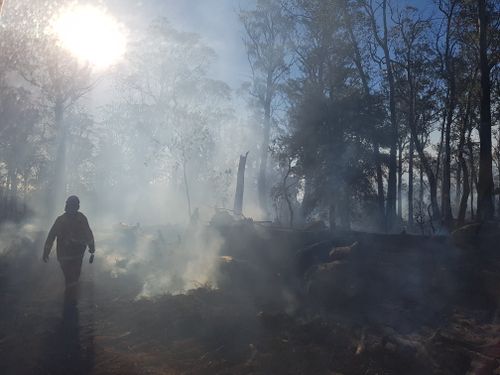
<point x="72" y="204"/>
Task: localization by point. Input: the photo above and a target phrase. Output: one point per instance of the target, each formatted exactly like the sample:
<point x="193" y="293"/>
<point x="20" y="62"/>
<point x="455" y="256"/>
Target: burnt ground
<point x="398" y="305"/>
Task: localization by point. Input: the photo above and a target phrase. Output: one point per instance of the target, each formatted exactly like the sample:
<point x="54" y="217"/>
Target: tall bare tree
<point x="381" y="36"/>
<point x="267" y="41"/>
<point x="485" y="206"/>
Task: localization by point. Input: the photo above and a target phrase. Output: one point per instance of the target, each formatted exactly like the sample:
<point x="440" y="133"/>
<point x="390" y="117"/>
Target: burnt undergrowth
<point x="281" y="303"/>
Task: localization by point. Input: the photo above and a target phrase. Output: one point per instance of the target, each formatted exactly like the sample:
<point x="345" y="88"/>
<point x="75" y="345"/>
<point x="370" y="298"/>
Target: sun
<point x="90" y="34"/>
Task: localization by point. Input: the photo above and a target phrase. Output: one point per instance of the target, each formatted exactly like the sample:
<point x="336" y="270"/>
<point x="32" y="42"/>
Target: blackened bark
<point x="383" y="42"/>
<point x="391" y="183"/>
<point x="262" y="179"/>
<point x="449" y="76"/>
<point x="240" y="185"/>
<point x="429" y="173"/>
<point x="380" y="188"/>
<point x="485" y="207"/>
<point x="410" y="185"/>
<point x="472" y="168"/>
<point x="446" y="183"/>
<point x="465" y="180"/>
<point x="400" y="182"/>
<point x="358" y="62"/>
<point x="466" y="187"/>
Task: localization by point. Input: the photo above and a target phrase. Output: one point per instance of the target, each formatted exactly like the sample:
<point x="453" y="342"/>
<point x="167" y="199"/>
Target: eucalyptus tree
<point x="356" y="29"/>
<point x="486" y="12"/>
<point x="414" y="55"/>
<point x="331" y="118"/>
<point x="169" y="112"/>
<point x="447" y="45"/>
<point x="267" y="41"/>
<point x="378" y="15"/>
<point x="50" y="73"/>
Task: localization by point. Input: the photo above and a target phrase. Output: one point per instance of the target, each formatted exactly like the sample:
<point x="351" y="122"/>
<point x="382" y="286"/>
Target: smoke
<point x="150" y="165"/>
<point x="15" y="238"/>
<point x="164" y="259"/>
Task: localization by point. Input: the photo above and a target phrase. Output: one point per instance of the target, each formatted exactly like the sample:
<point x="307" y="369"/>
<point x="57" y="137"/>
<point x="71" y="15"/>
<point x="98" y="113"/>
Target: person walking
<point x="73" y="235"/>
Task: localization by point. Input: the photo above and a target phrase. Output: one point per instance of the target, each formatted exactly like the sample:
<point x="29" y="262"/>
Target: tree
<point x="485" y="204"/>
<point x="362" y="66"/>
<point x="447" y="59"/>
<point x="170" y="109"/>
<point x="414" y="56"/>
<point x="381" y="38"/>
<point x="267" y="41"/>
<point x="54" y="79"/>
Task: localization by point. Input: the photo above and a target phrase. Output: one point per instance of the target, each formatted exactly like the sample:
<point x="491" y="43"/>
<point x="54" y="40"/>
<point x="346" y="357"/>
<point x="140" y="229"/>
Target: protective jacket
<point x="73" y="236"/>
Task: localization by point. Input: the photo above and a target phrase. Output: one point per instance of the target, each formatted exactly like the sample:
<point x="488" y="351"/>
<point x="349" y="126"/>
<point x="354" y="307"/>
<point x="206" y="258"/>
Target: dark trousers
<point x="71" y="268"/>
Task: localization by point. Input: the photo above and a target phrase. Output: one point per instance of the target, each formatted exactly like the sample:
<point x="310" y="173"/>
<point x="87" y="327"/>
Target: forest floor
<point x="227" y="330"/>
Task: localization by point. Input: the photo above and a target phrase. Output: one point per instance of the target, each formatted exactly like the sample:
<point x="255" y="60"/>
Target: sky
<point x="215" y="20"/>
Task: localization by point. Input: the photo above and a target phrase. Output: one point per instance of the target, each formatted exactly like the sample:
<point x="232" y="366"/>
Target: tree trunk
<point x="358" y="61"/>
<point x="472" y="173"/>
<point x="485" y="207"/>
<point x="391" y="183"/>
<point x="186" y="187"/>
<point x="439" y="157"/>
<point x="421" y="185"/>
<point x="410" y="186"/>
<point x="400" y="182"/>
<point x="58" y="191"/>
<point x="428" y="171"/>
<point x="466" y="187"/>
<point x="449" y="75"/>
<point x="380" y="189"/>
<point x="383" y="42"/>
<point x="262" y="179"/>
<point x="465" y="172"/>
<point x="446" y="183"/>
<point x="240" y="186"/>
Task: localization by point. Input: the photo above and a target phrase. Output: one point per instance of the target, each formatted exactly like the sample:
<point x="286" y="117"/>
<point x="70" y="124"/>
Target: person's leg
<point x="71" y="269"/>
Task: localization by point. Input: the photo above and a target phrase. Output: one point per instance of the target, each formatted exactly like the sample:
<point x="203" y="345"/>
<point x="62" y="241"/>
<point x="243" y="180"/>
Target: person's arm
<point x="50" y="241"/>
<point x="89" y="237"/>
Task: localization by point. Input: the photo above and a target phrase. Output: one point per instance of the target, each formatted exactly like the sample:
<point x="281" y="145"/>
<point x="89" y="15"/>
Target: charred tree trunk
<point x="391" y="183"/>
<point x="472" y="173"/>
<point x="383" y="42"/>
<point x="485" y="207"/>
<point x="59" y="182"/>
<point x="400" y="181"/>
<point x="448" y="73"/>
<point x="240" y="185"/>
<point x="262" y="179"/>
<point x="429" y="172"/>
<point x="358" y="62"/>
<point x="380" y="189"/>
<point x="410" y="186"/>
<point x="446" y="183"/>
<point x="465" y="181"/>
<point x="466" y="187"/>
<point x="186" y="186"/>
<point x="439" y="157"/>
<point x="465" y="173"/>
<point x="421" y="185"/>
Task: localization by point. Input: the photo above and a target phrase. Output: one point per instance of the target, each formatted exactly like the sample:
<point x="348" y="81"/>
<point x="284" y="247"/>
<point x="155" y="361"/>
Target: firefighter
<point x="73" y="236"/>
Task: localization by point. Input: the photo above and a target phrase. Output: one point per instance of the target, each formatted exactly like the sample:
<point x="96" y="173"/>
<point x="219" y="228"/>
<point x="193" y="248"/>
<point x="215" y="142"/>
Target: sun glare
<point x="90" y="34"/>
